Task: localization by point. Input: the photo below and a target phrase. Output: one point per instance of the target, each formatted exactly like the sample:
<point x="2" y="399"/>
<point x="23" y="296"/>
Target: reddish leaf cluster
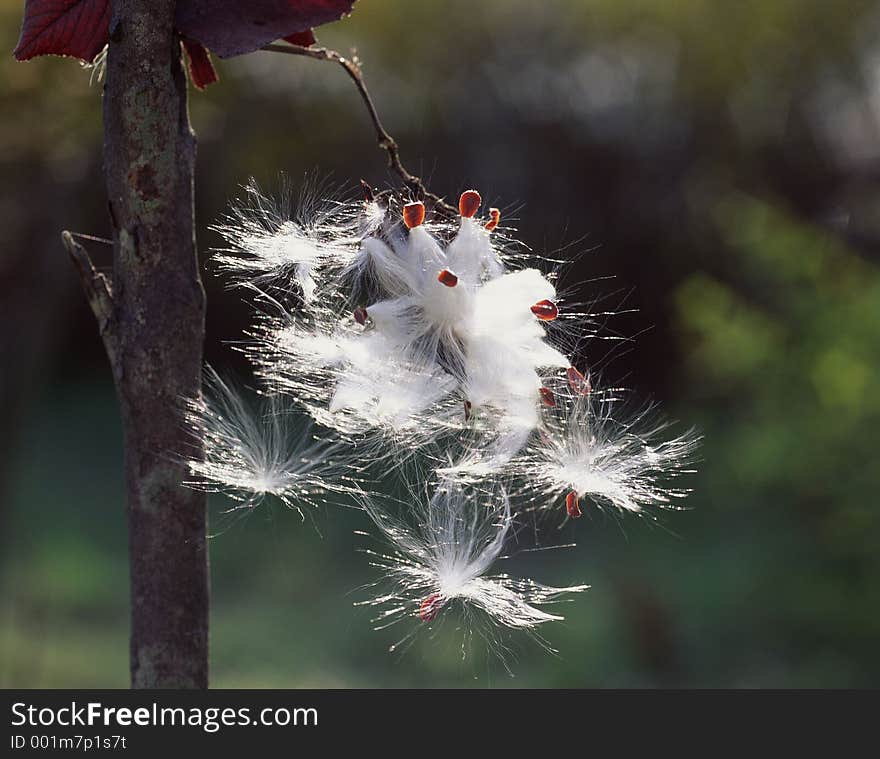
<point x="80" y="28"/>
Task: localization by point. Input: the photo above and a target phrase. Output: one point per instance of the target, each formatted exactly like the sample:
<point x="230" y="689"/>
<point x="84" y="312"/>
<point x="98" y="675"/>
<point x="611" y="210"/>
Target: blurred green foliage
<point x="720" y="160"/>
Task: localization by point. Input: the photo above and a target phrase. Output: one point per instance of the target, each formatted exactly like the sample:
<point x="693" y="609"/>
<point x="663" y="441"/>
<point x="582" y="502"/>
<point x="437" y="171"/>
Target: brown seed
<point x="468" y="203"/>
<point x="545" y="310"/>
<point x="368" y="191"/>
<point x="361" y="315"/>
<point x="429" y="608"/>
<point x="547" y="396"/>
<point x="447" y="278"/>
<point x="467" y="410"/>
<point x="494" y="218"/>
<point x="572" y="507"/>
<point x="413" y="214"/>
<point x="578" y="382"/>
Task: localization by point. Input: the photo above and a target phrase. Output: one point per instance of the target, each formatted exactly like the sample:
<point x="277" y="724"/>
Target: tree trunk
<point x="151" y="317"/>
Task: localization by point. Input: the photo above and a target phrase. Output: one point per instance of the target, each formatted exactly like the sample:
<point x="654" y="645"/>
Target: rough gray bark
<point x="151" y="317"/>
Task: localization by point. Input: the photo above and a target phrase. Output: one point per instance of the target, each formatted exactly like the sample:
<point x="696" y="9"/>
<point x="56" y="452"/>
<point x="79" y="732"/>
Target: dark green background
<point x="712" y="169"/>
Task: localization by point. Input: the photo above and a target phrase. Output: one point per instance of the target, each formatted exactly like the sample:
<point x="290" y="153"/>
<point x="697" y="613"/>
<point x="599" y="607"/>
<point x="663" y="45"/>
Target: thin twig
<point x="385" y="140"/>
<point x="92" y="238"/>
<point x="96" y="286"/>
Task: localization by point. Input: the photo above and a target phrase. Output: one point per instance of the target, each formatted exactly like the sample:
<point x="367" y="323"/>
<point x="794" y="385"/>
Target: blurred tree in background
<point x="712" y="172"/>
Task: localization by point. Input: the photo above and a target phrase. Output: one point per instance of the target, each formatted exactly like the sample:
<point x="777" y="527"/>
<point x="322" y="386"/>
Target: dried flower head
<point x="404" y="331"/>
<point x="400" y="321"/>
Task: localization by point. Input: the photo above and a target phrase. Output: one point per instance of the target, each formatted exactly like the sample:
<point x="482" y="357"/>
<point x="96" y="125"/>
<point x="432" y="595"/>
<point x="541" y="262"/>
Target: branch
<point x="96" y="286"/>
<point x="386" y="141"/>
<point x="159" y="333"/>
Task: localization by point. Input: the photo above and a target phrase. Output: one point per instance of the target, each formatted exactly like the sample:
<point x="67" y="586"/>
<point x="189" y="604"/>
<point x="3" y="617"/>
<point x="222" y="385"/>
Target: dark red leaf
<point x="303" y="39"/>
<point x="63" y="27"/>
<point x="201" y="70"/>
<point x="232" y="27"/>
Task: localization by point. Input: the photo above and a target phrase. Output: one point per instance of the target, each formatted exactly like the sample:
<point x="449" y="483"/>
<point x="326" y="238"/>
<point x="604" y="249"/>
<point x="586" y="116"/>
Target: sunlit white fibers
<point x="416" y="337"/>
<point x="442" y="550"/>
<point x="270" y="243"/>
<point x="409" y="327"/>
<point x="254" y="450"/>
<point x="591" y="447"/>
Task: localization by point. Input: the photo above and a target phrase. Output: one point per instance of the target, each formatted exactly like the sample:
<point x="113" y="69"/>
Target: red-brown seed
<point x="413" y="214"/>
<point x="547" y="396"/>
<point x="468" y="203"/>
<point x="367" y="190"/>
<point x="578" y="382"/>
<point x="361" y="315"/>
<point x="467" y="410"/>
<point x="572" y="507"/>
<point x="448" y="278"/>
<point x="429" y="608"/>
<point x="494" y="218"/>
<point x="545" y="310"/>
